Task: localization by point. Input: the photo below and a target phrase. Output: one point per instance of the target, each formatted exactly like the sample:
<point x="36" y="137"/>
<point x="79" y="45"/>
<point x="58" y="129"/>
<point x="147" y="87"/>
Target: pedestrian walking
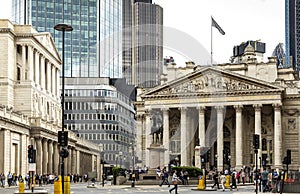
<point x="233" y="180"/>
<point x="216" y="180"/>
<point x="175" y="181"/>
<point x="223" y="180"/>
<point x="165" y="177"/>
<point x="2" y="177"/>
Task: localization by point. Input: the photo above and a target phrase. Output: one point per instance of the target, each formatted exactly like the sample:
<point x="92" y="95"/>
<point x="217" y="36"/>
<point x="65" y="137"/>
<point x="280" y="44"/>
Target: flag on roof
<point x="216" y="25"/>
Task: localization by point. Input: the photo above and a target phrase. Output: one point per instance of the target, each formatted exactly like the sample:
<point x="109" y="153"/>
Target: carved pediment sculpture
<point x="211" y="83"/>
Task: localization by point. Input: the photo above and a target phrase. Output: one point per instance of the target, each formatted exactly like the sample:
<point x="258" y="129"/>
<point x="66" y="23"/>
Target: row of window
<point x="97" y="117"/>
<point x="97" y="106"/>
<point x="106" y="136"/>
<point x="90" y="126"/>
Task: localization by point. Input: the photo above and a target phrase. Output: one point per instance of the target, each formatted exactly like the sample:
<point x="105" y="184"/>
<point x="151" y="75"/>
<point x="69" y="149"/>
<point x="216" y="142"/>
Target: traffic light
<point x="63" y="138"/>
<point x="288" y="156"/>
<point x="255" y="141"/>
<point x="285" y="160"/>
<point x="64" y="153"/>
<point x="202" y="158"/>
<point x="31" y="154"/>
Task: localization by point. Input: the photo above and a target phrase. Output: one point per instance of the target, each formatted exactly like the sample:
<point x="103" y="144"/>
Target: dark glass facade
<point x="292" y="32"/>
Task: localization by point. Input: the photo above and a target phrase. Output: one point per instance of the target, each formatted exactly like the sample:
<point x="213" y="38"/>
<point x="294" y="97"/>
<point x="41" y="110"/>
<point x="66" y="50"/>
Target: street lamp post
<point x="133" y="163"/>
<point x="63" y="28"/>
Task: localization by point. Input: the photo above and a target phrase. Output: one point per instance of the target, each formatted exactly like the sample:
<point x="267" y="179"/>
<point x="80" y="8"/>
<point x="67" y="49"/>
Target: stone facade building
<point x="30" y="106"/>
<point x="216" y="110"/>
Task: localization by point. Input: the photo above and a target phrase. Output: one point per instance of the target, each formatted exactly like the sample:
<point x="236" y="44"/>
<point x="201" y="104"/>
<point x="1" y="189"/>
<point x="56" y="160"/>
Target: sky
<point x="187" y="27"/>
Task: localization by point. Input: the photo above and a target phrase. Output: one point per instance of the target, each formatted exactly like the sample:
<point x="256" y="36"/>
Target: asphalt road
<point x="82" y="188"/>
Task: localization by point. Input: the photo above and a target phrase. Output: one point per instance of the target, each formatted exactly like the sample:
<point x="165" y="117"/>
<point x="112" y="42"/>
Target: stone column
<point x="69" y="159"/>
<point x="53" y="80"/>
<point x="23" y="157"/>
<point x="37" y="67"/>
<point x="166" y="138"/>
<point x="220" y="139"/>
<point x="45" y="155"/>
<point x="39" y="156"/>
<point x="148" y="138"/>
<point x="50" y="157"/>
<point x="139" y="135"/>
<point x="257" y="108"/>
<point x="57" y="82"/>
<point x="277" y="136"/>
<point x="73" y="170"/>
<point x="183" y="134"/>
<point x="30" y="64"/>
<point x="23" y="62"/>
<point x="201" y="135"/>
<point x="78" y="162"/>
<point x="43" y="75"/>
<point x="48" y="67"/>
<point x="55" y="158"/>
<point x="238" y="137"/>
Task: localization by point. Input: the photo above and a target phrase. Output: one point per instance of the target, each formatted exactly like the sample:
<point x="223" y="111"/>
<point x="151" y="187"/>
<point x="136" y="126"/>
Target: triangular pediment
<point x="211" y="80"/>
<point x="46" y="40"/>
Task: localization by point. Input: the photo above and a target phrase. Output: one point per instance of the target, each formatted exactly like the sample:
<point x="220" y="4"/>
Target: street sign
<point x="31" y="166"/>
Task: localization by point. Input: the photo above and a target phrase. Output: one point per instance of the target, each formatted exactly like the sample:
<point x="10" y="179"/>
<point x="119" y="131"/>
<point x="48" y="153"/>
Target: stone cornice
<point x="233" y="93"/>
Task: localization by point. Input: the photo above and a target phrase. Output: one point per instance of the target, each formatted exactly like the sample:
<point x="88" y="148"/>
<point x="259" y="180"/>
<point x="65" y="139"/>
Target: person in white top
<point x="223" y="180"/>
<point x="175" y="182"/>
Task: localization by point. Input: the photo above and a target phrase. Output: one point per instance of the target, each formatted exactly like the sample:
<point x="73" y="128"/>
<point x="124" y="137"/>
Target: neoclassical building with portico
<point x="30" y="106"/>
<point x="218" y="109"/>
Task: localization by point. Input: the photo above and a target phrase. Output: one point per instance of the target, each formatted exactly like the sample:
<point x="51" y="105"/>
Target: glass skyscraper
<point x="292" y="35"/>
<point x="93" y="48"/>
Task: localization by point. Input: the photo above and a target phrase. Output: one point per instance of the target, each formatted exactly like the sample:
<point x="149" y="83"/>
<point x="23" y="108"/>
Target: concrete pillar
<point x="277" y="136"/>
<point x="257" y="108"/>
<point x="220" y="138"/>
<point x="45" y="156"/>
<point x="39" y="155"/>
<point x="166" y="138"/>
<point x="183" y="136"/>
<point x="238" y="137"/>
<point x="50" y="156"/>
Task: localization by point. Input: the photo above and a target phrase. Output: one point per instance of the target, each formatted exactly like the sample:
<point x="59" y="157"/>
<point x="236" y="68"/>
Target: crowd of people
<point x="266" y="179"/>
<point x="12" y="179"/>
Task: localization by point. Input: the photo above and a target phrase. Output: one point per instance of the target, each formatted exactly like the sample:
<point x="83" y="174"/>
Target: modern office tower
<point x="142" y="42"/>
<point x="280" y="55"/>
<point x="108" y="118"/>
<point x="292" y="36"/>
<point x="94" y="47"/>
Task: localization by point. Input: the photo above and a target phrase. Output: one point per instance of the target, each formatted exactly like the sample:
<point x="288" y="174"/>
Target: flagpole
<point x="211" y="45"/>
